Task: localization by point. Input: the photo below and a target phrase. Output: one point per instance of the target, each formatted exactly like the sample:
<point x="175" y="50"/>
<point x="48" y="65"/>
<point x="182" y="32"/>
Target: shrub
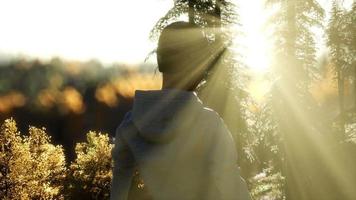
<point x="267" y="185"/>
<point x="91" y="172"/>
<point x="30" y="166"/>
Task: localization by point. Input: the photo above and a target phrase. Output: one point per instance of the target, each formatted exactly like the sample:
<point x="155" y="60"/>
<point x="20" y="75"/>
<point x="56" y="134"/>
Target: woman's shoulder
<point x="127" y="119"/>
<point x="126" y="122"/>
<point x="214" y="121"/>
<point x="210" y="115"/>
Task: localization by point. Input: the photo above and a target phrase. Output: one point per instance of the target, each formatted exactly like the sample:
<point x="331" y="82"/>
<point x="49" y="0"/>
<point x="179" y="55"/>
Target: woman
<point x="181" y="149"/>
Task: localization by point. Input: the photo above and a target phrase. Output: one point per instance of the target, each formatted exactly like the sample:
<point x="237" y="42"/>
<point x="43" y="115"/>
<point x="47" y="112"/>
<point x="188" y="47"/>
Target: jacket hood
<point x="157" y="114"/>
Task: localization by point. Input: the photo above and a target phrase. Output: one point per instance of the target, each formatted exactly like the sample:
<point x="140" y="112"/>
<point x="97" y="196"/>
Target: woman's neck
<point x="172" y="81"/>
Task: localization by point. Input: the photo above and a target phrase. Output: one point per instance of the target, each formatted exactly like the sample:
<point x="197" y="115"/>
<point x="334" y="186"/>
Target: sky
<point x="108" y="30"/>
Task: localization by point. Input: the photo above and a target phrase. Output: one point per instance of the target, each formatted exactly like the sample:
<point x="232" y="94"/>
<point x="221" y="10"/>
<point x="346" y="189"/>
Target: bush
<point x="90" y="174"/>
<point x="30" y="166"/>
<point x="267" y="185"/>
<point x="33" y="168"/>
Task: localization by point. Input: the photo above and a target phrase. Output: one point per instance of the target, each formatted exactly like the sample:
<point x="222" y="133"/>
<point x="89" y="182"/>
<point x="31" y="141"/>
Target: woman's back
<point x="181" y="149"/>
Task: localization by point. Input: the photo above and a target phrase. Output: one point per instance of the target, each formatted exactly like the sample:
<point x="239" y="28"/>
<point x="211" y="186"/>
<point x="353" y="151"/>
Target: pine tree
<point x="352" y="35"/>
<point x="295" y="64"/>
<point x="337" y="40"/>
<point x="294" y="40"/>
<point x="205" y="13"/>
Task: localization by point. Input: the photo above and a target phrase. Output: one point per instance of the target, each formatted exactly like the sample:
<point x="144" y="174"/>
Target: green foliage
<point x="90" y="173"/>
<point x="341" y="43"/>
<point x="203" y="13"/>
<point x="13" y="162"/>
<point x="262" y="154"/>
<point x="294" y="39"/>
<point x="263" y="138"/>
<point x="267" y="185"/>
<point x="218" y="19"/>
<point x="341" y="38"/>
<point x="31" y="167"/>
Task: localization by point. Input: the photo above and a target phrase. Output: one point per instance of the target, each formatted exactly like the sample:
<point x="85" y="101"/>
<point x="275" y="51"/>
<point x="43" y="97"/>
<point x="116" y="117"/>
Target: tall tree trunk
<point x="341" y="91"/>
<point x="354" y="85"/>
<point x="291" y="23"/>
<point x="293" y="133"/>
<point x="191" y="12"/>
<point x="286" y="83"/>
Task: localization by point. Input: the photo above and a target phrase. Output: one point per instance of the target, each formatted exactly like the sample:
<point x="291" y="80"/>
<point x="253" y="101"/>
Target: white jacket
<point x="182" y="150"/>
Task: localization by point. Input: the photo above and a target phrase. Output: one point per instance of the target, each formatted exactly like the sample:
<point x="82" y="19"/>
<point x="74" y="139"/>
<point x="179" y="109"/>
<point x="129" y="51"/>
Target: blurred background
<point x="71" y="66"/>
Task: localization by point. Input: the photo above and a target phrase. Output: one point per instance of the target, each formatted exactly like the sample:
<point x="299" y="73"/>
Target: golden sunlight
<point x="258" y="89"/>
<point x="256" y="46"/>
<point x="255" y="42"/>
<point x="270" y="114"/>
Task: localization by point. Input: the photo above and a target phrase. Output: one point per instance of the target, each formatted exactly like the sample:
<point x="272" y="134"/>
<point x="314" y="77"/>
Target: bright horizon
<point x="109" y="31"/>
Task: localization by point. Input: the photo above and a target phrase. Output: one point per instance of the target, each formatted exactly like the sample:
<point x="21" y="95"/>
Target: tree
<point x="337" y="43"/>
<point x="352" y="44"/>
<point x="295" y="110"/>
<point x="205" y="13"/>
<point x="90" y="174"/>
<point x="13" y="161"/>
<point x="47" y="165"/>
<point x="294" y="39"/>
<point x="30" y="166"/>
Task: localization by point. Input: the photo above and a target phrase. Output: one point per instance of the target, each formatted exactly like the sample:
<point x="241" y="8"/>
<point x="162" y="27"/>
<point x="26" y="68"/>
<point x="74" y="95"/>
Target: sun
<point x="255" y="42"/>
<point x="257" y="58"/>
<point x="255" y="46"/>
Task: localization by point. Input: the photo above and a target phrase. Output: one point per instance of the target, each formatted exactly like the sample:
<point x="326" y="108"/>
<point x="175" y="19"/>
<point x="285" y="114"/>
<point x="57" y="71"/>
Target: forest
<point x="296" y="141"/>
